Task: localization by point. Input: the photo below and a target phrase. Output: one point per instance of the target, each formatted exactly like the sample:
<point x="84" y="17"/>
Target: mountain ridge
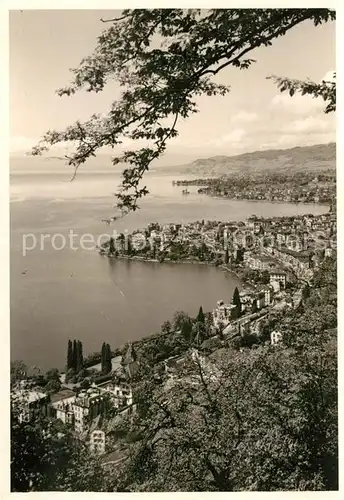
<point x="300" y="158"/>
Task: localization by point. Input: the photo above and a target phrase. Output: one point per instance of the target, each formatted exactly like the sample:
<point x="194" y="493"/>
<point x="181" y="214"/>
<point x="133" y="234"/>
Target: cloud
<point x="244" y="117"/>
<point x="309" y="125"/>
<point x="233" y="137"/>
<point x="298" y="104"/>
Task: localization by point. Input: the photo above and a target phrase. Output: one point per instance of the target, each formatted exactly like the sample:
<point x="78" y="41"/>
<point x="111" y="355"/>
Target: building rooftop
<point x="299" y="255"/>
<point x="63" y="394"/>
<point x="28" y="396"/>
<point x="278" y="271"/>
<point x="85" y="400"/>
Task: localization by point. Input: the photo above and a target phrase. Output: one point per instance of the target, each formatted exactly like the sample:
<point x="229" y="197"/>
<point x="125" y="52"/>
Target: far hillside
<point x="298" y="159"/>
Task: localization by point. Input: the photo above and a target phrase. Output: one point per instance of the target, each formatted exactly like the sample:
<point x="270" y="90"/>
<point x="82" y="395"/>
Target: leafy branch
<point x="164" y="59"/>
<point x="325" y="90"/>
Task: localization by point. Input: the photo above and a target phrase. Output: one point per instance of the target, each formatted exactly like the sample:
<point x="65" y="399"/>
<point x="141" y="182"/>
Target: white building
<point x="268" y="292"/>
<point x="328" y="252"/>
<point x="278" y="276"/>
<point x="275" y="337"/>
<point x="139" y="241"/>
<point x="97" y="441"/>
<point x="222" y="314"/>
<point x="120" y="392"/>
<point x="86" y="407"/>
<point x="61" y="405"/>
<point x="295" y="243"/>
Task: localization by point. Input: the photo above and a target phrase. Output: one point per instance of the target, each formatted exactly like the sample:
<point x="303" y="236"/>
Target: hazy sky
<point x="45" y="44"/>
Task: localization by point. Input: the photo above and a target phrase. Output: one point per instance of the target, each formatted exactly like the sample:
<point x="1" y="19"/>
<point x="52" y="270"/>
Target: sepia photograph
<point x="173" y="250"/>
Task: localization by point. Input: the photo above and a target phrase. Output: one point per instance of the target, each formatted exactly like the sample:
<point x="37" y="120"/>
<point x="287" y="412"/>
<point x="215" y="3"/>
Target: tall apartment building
<point x="86" y="407"/>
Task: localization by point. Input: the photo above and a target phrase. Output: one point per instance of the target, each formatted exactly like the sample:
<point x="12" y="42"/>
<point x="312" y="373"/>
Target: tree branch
<point x="115" y="19"/>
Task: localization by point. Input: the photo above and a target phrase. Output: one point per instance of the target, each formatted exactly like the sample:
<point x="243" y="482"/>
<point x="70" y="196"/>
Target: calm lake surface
<point x="57" y="295"/>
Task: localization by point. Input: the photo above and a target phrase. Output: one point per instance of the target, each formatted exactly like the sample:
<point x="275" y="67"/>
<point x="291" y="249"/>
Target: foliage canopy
<point x="163" y="59"/>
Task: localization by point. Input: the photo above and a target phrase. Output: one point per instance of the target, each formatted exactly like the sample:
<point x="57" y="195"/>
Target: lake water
<point x="57" y="295"/>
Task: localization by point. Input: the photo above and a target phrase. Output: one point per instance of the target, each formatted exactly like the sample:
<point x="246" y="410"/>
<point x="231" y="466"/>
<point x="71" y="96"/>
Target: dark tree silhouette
<point x="200" y="316"/>
<point x="236" y="301"/>
<point x="70" y="355"/>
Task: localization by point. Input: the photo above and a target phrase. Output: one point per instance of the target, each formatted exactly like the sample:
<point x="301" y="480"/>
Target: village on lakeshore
<point x="287" y="187"/>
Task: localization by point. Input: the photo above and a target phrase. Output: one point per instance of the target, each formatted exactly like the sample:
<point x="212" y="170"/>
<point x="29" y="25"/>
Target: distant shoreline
<point x="277" y="202"/>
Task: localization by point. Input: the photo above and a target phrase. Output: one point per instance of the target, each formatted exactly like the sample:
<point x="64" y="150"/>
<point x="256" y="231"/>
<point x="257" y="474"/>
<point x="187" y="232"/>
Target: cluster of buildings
<point x="252" y="301"/>
<point x="255" y="305"/>
<point x="301" y="241"/>
<point x="29" y="402"/>
<point x="312" y="188"/>
<point x="262" y="243"/>
<point x="92" y="414"/>
<point x="157" y="238"/>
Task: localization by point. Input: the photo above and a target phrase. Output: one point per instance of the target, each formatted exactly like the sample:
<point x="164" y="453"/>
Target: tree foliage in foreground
<point x="164" y="59"/>
<point x="269" y="422"/>
<point x="45" y="457"/>
<point x="325" y="89"/>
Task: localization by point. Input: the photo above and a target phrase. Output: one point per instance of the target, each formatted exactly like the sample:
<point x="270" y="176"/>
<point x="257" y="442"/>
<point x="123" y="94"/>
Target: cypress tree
<point x="234" y="313"/>
<point x="108" y="358"/>
<point x="200" y="316"/>
<point x="103" y="358"/>
<point x="199" y="333"/>
<point x="79" y="356"/>
<point x="186" y="330"/>
<point x="74" y="355"/>
<point x="112" y="246"/>
<point x="129" y="249"/>
<point x="236" y="300"/>
<point x="70" y="355"/>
